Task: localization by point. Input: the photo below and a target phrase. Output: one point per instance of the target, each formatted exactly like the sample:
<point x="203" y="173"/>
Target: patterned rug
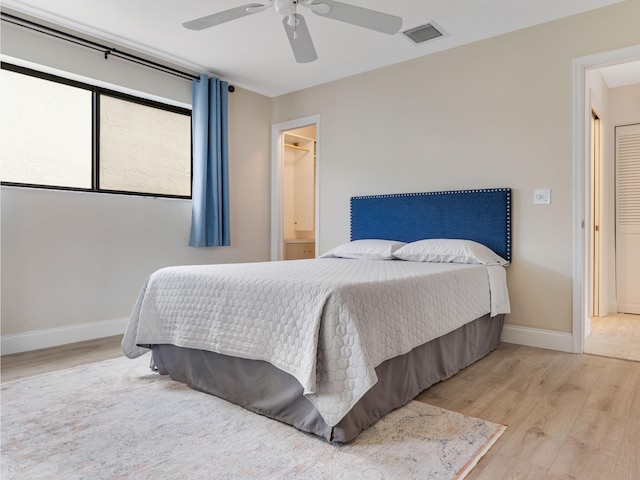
<point x="117" y="419"/>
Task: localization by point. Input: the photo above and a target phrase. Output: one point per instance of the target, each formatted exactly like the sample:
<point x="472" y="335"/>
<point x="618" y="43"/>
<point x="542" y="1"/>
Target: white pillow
<point x="446" y="250"/>
<point x="372" y="249"/>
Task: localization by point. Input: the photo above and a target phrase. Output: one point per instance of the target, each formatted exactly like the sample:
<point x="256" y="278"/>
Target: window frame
<point x="96" y="93"/>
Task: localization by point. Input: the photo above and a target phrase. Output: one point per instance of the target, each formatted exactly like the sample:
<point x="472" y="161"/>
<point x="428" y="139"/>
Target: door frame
<point x="277" y="174"/>
<point x="581" y="208"/>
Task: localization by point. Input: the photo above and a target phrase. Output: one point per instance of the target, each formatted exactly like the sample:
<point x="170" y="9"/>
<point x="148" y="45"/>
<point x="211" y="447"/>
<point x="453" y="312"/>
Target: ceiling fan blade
<point x="300" y="39"/>
<point x="225" y="16"/>
<point x="362" y="17"/>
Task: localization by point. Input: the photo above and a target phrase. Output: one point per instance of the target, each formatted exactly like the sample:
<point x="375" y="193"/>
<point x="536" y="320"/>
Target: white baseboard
<point x="35" y="340"/>
<point x="23" y="342"/>
<point x="534" y="337"/>
<point x="632" y="308"/>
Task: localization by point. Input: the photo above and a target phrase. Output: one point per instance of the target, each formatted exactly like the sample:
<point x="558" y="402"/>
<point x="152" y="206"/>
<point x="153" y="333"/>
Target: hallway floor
<point x="615" y="336"/>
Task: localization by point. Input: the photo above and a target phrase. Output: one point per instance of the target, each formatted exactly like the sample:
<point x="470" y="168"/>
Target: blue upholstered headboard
<point x="480" y="215"/>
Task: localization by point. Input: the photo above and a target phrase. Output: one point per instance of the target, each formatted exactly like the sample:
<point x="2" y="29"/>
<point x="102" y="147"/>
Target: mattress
<point x="328" y="323"/>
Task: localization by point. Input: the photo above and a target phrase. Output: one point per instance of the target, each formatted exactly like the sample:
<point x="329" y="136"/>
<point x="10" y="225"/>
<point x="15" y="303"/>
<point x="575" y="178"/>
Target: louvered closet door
<point x="628" y="218"/>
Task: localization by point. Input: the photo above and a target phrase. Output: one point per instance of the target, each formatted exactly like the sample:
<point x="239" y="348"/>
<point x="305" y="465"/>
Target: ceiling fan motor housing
<point x="285" y="7"/>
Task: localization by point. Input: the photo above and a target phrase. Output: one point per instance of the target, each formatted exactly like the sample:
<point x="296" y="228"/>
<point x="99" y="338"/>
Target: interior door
<point x="595" y="212"/>
<point x="628" y="218"/>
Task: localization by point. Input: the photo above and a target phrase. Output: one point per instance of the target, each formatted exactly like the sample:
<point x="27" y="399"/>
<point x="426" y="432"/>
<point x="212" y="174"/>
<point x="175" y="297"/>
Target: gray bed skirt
<point x="260" y="387"/>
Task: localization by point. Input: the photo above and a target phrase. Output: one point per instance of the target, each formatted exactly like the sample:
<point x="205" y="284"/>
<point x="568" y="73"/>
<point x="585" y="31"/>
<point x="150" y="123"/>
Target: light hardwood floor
<point x="29" y="364"/>
<point x="616" y="336"/>
<point x="569" y="416"/>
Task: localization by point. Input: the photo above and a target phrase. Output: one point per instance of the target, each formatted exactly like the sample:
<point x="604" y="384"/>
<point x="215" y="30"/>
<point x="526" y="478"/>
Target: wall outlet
<point x="542" y="196"/>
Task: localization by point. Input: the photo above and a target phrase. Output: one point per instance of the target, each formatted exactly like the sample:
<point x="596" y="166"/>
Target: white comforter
<point x="328" y="322"/>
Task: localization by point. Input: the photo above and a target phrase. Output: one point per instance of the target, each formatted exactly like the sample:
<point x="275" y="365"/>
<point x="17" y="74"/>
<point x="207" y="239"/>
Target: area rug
<point x="117" y="419"/>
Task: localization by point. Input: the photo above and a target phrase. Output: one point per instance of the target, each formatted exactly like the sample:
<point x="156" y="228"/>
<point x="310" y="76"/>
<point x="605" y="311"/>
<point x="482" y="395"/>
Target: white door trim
<point x="581" y="180"/>
<point x="277" y="235"/>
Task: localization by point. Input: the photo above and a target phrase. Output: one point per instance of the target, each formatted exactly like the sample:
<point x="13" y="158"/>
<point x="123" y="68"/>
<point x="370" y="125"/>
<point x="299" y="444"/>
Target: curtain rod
<point x="96" y="46"/>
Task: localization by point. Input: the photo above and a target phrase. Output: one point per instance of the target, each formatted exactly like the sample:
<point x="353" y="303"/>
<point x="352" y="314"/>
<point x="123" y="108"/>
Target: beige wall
<point x="494" y="113"/>
<point x="491" y="114"/>
<point x="73" y="263"/>
<point x="624" y="105"/>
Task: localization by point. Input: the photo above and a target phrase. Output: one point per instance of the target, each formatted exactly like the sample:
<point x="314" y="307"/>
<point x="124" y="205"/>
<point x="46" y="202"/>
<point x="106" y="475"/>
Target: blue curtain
<point x="210" y="188"/>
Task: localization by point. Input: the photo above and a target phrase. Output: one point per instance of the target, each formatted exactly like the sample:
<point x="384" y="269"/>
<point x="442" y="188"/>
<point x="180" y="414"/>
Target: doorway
<point x="594" y="278"/>
<point x="299" y="193"/>
<point x="613" y="331"/>
<point x="294" y="195"/>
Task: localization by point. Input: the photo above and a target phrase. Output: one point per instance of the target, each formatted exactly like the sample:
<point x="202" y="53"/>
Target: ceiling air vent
<point x="422" y="33"/>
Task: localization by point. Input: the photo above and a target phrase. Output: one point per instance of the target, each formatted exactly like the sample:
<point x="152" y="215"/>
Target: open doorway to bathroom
<point x="294" y="225"/>
<point x="299" y="193"/>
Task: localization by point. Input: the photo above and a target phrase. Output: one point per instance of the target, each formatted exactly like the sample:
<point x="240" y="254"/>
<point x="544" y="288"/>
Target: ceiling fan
<point x="295" y="25"/>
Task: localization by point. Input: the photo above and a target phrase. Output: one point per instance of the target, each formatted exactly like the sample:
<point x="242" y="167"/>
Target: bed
<point x="332" y="344"/>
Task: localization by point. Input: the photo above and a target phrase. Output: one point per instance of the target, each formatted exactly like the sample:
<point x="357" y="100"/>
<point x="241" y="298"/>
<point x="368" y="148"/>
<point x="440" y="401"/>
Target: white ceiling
<point x="253" y="52"/>
<point x="621" y="74"/>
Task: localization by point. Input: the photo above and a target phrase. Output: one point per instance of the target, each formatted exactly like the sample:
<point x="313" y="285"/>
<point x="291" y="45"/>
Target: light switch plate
<point x="542" y="196"/>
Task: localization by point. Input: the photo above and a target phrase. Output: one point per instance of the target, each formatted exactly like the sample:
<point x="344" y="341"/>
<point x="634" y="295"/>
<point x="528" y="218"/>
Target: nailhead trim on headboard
<point x="503" y="208"/>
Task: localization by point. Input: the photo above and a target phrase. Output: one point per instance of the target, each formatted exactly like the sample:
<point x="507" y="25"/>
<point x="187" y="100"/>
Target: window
<point x="58" y="133"/>
<point x="45" y="130"/>
<point x="143" y="148"/>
